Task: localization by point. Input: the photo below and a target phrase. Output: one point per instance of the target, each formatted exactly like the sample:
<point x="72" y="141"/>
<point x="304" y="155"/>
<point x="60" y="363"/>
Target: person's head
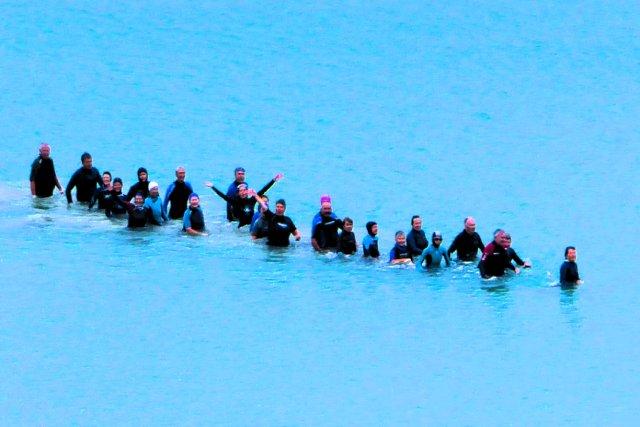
<point x="181" y="174"/>
<point x="281" y="206"/>
<point x="498" y="237"/>
<point x="44" y="150"/>
<point x="372" y="228"/>
<point x="240" y="174"/>
<point x="347" y="224"/>
<point x="139" y="199"/>
<point x="507" y="240"/>
<point x="401" y="239"/>
<point x="117" y="185"/>
<point x="416" y="222"/>
<point x="324" y="199"/>
<point x="86" y="160"/>
<point x="154" y="189"/>
<point x="469" y="225"/>
<point x="194" y="200"/>
<point x="143" y="175"/>
<point x="243" y="190"/>
<point x="570" y="253"/>
<point x="266" y="202"/>
<point x="106" y="178"/>
<point x="326" y="209"/>
<point x="436" y="238"/>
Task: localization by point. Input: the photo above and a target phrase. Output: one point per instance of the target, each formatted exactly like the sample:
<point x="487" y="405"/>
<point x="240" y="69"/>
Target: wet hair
<point x="139" y="193"/>
<point x="85" y="156"/>
<point x="347" y="220"/>
<point x="107" y="173"/>
<point x="567" y="249"/>
<point x="116" y="180"/>
<point x="281" y="202"/>
<point x="497" y="231"/>
<point x="399" y="233"/>
<point x="369" y="225"/>
<point x="414" y="217"/>
<point x="141" y="169"/>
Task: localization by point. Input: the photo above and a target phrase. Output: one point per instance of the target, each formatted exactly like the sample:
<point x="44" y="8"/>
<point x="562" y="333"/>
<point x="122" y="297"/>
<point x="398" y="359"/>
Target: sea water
<point x="523" y="115"/>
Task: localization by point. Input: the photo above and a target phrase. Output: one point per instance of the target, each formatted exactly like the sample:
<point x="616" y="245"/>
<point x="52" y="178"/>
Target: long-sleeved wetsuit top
<point x="178" y="195"/>
<point x="85" y="181"/>
<point x="399" y="252"/>
<point x="243" y="207"/>
<point x="494" y="260"/>
<point x="232" y="191"/>
<point x="101" y="196"/>
<point x="326" y="232"/>
<point x="138" y="214"/>
<point x="139" y="187"/>
<point x="112" y="207"/>
<point x="347" y="243"/>
<point x="259" y="227"/>
<point x="466" y="245"/>
<point x="417" y="242"/>
<point x="193" y="218"/>
<point x="280" y="228"/>
<point x="370" y="246"/>
<point x="513" y="256"/>
<point x="43" y="174"/>
<point x="569" y="273"/>
<point x="157" y="215"/>
<point x="432" y="257"/>
<point x="317" y="219"/>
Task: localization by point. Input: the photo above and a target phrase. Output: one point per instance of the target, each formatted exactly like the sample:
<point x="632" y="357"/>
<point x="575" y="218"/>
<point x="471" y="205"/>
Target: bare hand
<point x="278" y="177"/>
<point x="208" y="184"/>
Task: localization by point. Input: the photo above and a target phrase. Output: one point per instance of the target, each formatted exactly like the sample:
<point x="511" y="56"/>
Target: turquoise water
<point x="522" y="115"/>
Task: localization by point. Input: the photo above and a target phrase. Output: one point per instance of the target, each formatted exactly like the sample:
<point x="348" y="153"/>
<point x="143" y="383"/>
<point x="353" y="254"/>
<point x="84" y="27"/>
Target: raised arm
<point x="269" y="184"/>
<point x="218" y="192"/>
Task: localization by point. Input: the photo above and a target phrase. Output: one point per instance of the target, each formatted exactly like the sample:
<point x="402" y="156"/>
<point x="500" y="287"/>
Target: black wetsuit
<point x="43" y="174"/>
<point x="569" y="274"/>
<point x="138" y="214"/>
<point x="243" y="208"/>
<point x="112" y="207"/>
<point x="195" y="219"/>
<point x="102" y="196"/>
<point x="260" y="228"/>
<point x="466" y="245"/>
<point x="370" y="246"/>
<point x="494" y="261"/>
<point x="326" y="232"/>
<point x="347" y="243"/>
<point x="417" y="242"/>
<point x="178" y="195"/>
<point x="280" y="227"/>
<point x="232" y="192"/>
<point x="513" y="256"/>
<point x="86" y="181"/>
<point x="399" y="252"/>
<point x="138" y="187"/>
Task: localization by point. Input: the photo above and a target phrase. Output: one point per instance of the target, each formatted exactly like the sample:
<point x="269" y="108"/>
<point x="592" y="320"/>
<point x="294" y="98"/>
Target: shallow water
<point x="524" y="116"/>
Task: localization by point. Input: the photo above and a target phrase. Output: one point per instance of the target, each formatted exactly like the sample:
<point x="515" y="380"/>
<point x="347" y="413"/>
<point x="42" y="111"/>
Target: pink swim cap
<point x="325" y="198"/>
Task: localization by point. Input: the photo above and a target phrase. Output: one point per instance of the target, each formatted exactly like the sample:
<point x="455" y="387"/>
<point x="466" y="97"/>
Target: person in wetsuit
<point x="467" y="243"/>
<point x="193" y="219"/>
<point x="232" y="190"/>
<point x="243" y="203"/>
<point x="400" y="253"/>
<point x="347" y="239"/>
<point x="280" y="225"/>
<point x="138" y="213"/>
<point x="416" y="239"/>
<point x="494" y="259"/>
<point x="85" y="180"/>
<point x="157" y="215"/>
<point x="178" y="195"/>
<point x="111" y="206"/>
<point x="370" y="241"/>
<point x="324" y="235"/>
<point x="102" y="194"/>
<point x="259" y="227"/>
<point x="325" y="203"/>
<point x="43" y="178"/>
<point x="512" y="255"/>
<point x="142" y="186"/>
<point x="569" y="276"/>
<point x="433" y="254"/>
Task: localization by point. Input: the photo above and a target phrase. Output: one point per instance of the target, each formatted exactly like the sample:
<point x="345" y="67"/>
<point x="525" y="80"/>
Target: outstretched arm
<point x="218" y="192"/>
<point x="269" y="184"/>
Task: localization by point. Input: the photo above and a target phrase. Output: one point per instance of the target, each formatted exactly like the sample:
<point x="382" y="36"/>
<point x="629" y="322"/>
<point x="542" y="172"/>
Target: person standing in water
<point x="101" y="195"/>
<point x="178" y="195"/>
<point x="433" y="255"/>
<point x="512" y="255"/>
<point x="347" y="239"/>
<point x="400" y="254"/>
<point x="370" y="242"/>
<point x="569" y="276"/>
<point x="142" y="186"/>
<point x="86" y="180"/>
<point x="153" y="203"/>
<point x="111" y="206"/>
<point x="43" y="178"/>
<point x="416" y="239"/>
<point x="193" y="219"/>
<point x="467" y="242"/>
<point x="325" y="225"/>
<point x="280" y="225"/>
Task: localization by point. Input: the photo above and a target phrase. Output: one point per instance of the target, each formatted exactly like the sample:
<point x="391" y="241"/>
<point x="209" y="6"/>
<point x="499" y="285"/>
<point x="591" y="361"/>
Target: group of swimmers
<point x="143" y="205"/>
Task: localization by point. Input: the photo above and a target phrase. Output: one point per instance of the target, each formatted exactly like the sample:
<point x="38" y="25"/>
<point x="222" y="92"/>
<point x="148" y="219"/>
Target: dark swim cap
<point x="139" y="193"/>
<point x="369" y="226"/>
<point x="281" y="202"/>
<point x="141" y="169"/>
<point x="193" y="195"/>
<point x="84" y="156"/>
<point x="115" y="180"/>
<point x="239" y="169"/>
